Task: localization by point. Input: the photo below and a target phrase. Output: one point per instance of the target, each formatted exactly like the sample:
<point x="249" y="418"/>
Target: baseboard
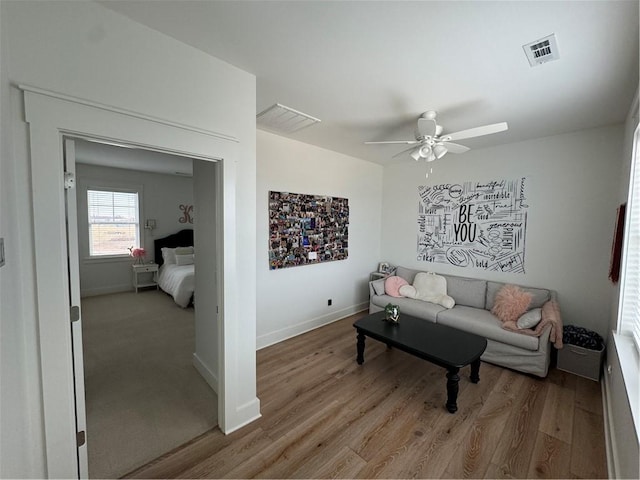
<point x="94" y="292"/>
<point x="207" y="374"/>
<point x="609" y="437"/>
<point x="244" y="415"/>
<point x="278" y="336"/>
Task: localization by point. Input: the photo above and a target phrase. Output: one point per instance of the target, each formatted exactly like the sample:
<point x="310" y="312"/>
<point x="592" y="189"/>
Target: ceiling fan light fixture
<point x="440" y="151"/>
<point x="416" y="154"/>
<point x="425" y="151"/>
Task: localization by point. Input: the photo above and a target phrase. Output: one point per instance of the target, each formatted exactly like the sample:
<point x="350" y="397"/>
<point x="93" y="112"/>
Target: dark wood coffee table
<point x="444" y="346"/>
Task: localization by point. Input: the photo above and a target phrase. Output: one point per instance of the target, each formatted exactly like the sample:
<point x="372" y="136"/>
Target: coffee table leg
<point x="452" y="389"/>
<point x="475" y="371"/>
<point x="360" y="348"/>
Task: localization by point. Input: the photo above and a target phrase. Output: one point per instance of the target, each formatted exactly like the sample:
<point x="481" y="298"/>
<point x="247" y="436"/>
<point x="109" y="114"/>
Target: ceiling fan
<point x="430" y="144"/>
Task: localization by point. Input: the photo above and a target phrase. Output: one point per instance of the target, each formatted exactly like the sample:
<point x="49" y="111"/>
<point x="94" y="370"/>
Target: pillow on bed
<point x="184" y="250"/>
<point x="169" y="255"/>
<point x="184" y="259"/>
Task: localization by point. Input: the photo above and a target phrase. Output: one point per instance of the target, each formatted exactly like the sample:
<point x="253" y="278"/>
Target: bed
<point x="175" y="256"/>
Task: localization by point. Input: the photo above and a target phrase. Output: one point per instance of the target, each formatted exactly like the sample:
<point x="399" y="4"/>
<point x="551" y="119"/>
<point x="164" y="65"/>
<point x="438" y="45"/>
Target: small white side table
<point x="142" y="269"/>
<point x="376" y="275"/>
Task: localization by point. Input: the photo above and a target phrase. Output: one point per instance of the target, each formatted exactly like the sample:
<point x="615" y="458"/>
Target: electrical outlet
<point x="329" y="302"/>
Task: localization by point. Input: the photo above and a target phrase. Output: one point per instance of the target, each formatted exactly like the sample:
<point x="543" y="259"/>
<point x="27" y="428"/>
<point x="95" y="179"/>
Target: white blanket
<point x="178" y="281"/>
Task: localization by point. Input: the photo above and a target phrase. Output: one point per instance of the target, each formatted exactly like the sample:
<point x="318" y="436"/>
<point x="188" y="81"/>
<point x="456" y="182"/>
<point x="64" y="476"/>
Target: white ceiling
<point x="369" y="69"/>
<point x="95" y="153"/>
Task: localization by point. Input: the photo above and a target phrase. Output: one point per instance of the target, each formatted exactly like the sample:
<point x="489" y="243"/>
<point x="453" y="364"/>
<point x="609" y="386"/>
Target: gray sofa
<point x="472" y="313"/>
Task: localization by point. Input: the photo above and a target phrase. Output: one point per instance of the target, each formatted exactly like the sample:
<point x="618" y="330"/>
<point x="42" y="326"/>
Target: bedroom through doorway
<point x="149" y="357"/>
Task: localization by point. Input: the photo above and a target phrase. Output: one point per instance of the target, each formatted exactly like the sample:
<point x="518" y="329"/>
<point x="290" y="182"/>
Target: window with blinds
<point x="113" y="222"/>
<point x="629" y="318"/>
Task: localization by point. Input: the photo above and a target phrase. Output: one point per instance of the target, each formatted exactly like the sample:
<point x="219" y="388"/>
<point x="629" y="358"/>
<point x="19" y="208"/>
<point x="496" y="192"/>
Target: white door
<point x="74" y="300"/>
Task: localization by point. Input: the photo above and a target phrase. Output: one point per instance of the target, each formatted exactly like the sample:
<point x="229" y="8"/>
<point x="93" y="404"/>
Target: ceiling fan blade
<point x="426" y="127"/>
<point x="476" y="132"/>
<point x="388" y="142"/>
<point x="455" y="148"/>
<point x="403" y="151"/>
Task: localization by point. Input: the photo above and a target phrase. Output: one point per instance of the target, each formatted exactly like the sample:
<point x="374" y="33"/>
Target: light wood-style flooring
<point x="324" y="416"/>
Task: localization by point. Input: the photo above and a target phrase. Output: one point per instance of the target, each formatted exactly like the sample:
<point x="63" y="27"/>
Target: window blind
<point x="113" y="222"/>
<point x="629" y="318"/>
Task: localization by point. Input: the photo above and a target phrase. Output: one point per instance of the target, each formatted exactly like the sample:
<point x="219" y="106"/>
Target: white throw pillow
<point x="378" y="286"/>
<point x="184" y="259"/>
<point x="169" y="255"/>
<point x="184" y="250"/>
<point x="529" y="319"/>
<point x="429" y="287"/>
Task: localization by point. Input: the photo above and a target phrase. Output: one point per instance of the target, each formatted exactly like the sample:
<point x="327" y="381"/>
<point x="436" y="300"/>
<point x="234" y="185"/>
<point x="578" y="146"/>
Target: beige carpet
<point x="143" y="395"/>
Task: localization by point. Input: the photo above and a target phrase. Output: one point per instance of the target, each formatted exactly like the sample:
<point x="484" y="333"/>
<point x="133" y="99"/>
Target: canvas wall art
<point x="307" y="229"/>
<point x="474" y="224"/>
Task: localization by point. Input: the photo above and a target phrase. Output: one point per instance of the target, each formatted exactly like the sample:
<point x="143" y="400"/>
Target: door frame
<point x="52" y="116"/>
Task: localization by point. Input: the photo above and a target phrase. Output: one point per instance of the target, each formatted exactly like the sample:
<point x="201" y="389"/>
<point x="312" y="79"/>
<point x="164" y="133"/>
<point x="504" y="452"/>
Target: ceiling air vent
<point x="281" y="119"/>
<point x="542" y="51"/>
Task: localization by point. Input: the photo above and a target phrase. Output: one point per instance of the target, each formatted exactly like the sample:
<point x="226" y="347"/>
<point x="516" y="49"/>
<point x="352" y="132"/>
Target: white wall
<point x="205" y="357"/>
<point x="85" y="50"/>
<point x="572" y="192"/>
<point x="293" y="300"/>
<point x="161" y="198"/>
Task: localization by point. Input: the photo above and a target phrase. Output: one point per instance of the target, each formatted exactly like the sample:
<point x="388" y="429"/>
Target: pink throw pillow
<point x="392" y="285"/>
<point x="510" y="303"/>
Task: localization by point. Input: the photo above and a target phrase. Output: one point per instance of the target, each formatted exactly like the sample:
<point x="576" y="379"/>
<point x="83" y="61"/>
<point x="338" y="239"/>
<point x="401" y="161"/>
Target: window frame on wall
<point x="110" y="187"/>
<point x="626" y="336"/>
<point x="629" y="310"/>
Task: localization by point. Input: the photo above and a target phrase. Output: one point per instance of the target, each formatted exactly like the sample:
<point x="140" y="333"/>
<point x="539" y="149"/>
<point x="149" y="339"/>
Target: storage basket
<point x="581" y="361"/>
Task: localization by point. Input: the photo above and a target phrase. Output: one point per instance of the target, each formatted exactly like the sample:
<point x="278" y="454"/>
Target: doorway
<point x="143" y="395"/>
<point x="50" y="116"/>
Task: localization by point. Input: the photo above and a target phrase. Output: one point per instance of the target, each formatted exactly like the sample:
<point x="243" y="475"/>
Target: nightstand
<point x="149" y="274"/>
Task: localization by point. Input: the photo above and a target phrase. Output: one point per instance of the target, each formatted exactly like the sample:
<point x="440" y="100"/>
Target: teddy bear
<point x="429" y="287"/>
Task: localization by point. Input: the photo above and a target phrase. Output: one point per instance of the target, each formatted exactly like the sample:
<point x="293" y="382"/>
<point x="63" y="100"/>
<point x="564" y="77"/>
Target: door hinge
<point x="81" y="438"/>
<point x="75" y="313"/>
<point x="69" y="180"/>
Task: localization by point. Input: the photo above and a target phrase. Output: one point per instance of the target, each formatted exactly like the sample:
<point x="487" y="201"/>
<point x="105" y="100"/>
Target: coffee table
<point x="444" y="346"/>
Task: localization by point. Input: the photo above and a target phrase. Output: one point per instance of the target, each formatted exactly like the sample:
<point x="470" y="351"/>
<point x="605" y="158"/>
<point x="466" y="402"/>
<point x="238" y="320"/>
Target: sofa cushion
<point x="407" y="273"/>
<point x="470" y="292"/>
<point x="392" y="285"/>
<point x="408" y="306"/>
<point x="485" y="324"/>
<point x="539" y="295"/>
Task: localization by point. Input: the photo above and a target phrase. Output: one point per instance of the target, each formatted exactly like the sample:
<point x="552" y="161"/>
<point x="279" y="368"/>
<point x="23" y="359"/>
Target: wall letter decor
<point x="476" y="224"/>
<point x="306" y="229"/>
<point x="187" y="214"/>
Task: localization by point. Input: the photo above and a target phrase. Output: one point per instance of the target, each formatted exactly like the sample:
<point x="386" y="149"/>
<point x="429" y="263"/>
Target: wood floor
<point x="323" y="416"/>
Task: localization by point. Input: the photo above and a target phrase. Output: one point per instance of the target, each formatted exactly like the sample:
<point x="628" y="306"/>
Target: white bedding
<point x="178" y="281"/>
